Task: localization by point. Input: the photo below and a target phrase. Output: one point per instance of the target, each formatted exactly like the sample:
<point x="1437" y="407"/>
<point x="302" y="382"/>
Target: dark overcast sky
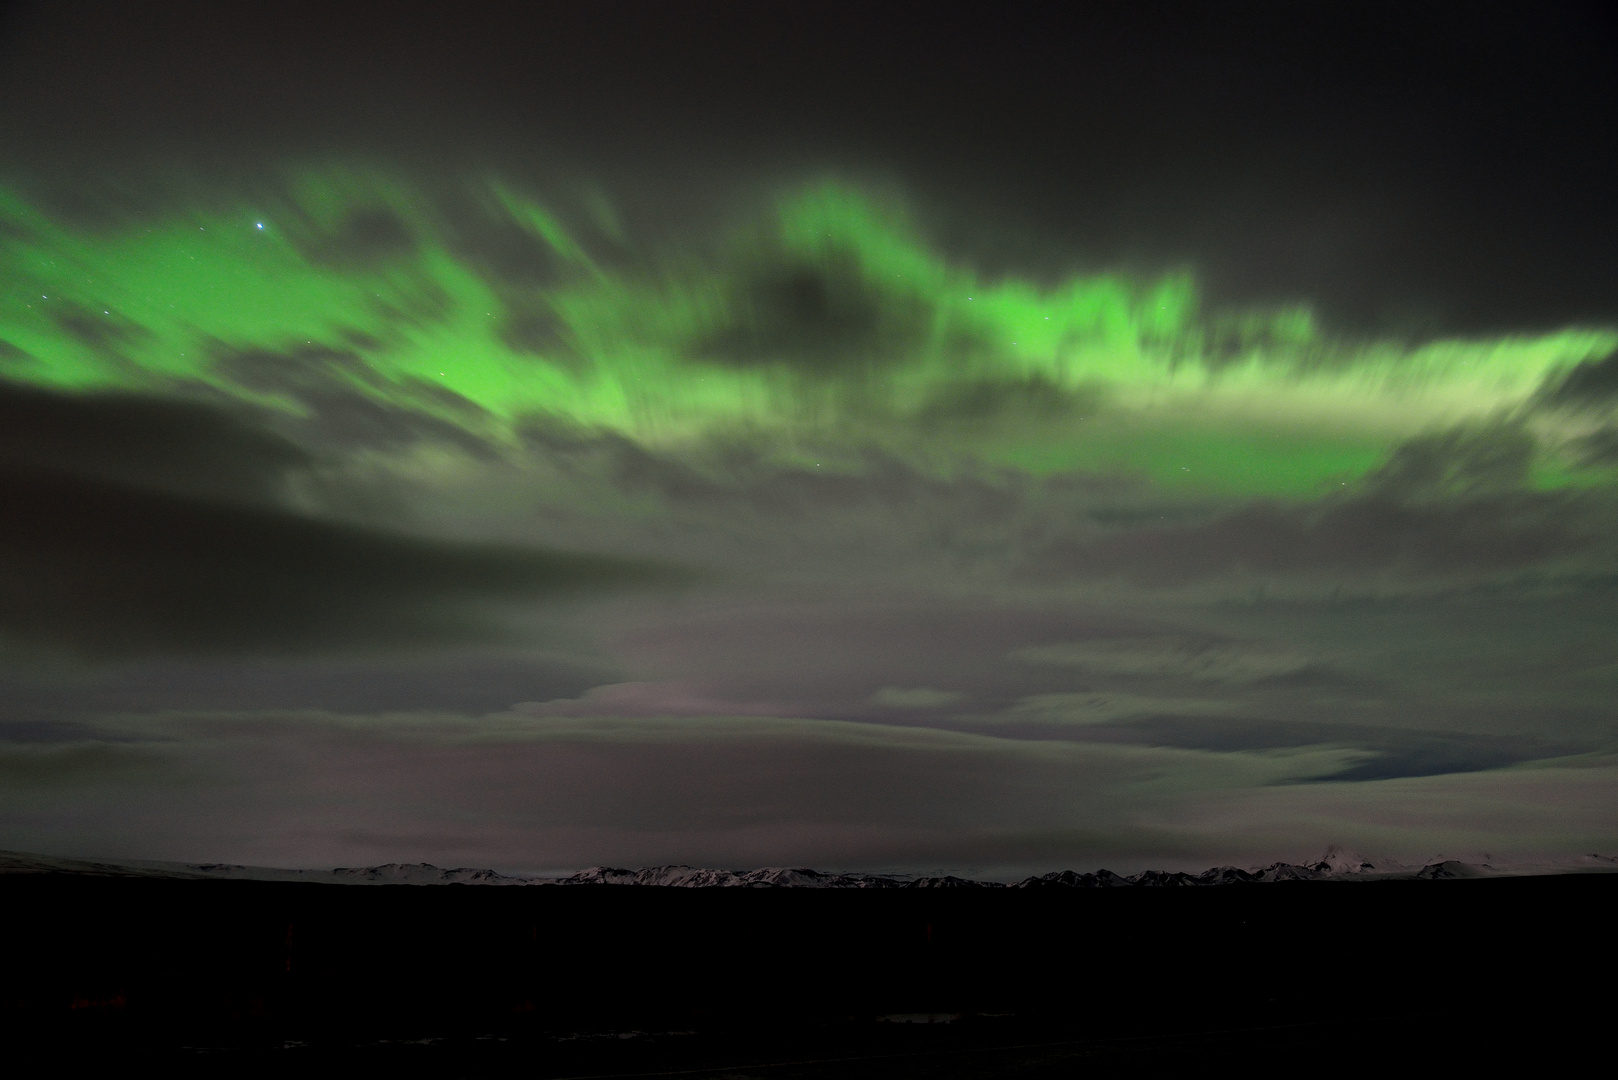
<point x="862" y="435"/>
<point x="1408" y="168"/>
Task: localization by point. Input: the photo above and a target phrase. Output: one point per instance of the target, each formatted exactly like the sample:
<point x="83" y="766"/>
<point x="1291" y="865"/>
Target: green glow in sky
<point x="831" y="320"/>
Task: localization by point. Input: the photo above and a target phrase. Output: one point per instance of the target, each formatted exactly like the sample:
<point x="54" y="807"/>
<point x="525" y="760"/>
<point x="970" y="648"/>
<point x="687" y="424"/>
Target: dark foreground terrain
<point x="251" y="977"/>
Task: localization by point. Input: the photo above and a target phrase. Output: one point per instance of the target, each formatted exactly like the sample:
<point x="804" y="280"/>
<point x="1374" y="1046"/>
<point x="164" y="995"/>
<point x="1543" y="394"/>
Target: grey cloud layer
<point x="1452" y="510"/>
<point x="878" y="663"/>
<point x="524" y="792"/>
<point x="138" y="527"/>
<point x="175" y="446"/>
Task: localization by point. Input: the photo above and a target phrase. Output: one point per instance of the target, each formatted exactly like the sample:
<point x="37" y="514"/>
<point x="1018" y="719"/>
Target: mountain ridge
<point x="1335" y="865"/>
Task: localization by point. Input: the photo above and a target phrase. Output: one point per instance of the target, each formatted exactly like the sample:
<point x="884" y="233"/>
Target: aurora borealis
<point x="825" y="320"/>
<point x="365" y="509"/>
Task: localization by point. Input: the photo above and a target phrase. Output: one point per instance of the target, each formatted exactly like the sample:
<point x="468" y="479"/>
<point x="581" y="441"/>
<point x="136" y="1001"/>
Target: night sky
<point x="537" y="436"/>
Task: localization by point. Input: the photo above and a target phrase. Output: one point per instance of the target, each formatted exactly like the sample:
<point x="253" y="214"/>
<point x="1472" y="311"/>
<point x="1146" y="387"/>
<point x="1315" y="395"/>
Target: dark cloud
<point x="529" y="325"/>
<point x="818" y="317"/>
<point x="1599" y="447"/>
<point x="1456" y="502"/>
<point x="86" y="763"/>
<point x="1592" y="383"/>
<point x="1461" y="464"/>
<point x="739" y="483"/>
<point x="106" y="569"/>
<point x="823" y="658"/>
<point x="163" y="443"/>
<point x="1352" y="537"/>
<point x="1387" y="752"/>
<point x="985" y="401"/>
<point x="341" y="416"/>
<point x="141" y="524"/>
<point x="365" y="239"/>
<point x="883" y="486"/>
<point x="100" y="330"/>
<point x="40" y="709"/>
<point x="1229" y="337"/>
<point x="619" y="463"/>
<point x="26" y="724"/>
<point x="477" y="229"/>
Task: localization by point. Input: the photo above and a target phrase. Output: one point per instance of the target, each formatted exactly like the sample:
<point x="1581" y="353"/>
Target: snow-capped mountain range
<point x="1335" y="865"/>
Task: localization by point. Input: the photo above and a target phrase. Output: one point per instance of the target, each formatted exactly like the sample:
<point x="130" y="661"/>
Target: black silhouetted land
<point x="1013" y="982"/>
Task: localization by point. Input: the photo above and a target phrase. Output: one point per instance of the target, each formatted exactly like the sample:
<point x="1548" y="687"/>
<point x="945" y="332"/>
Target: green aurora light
<point x="829" y="323"/>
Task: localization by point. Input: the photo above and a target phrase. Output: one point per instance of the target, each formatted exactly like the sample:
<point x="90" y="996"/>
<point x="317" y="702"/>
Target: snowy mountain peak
<point x="1339" y="860"/>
